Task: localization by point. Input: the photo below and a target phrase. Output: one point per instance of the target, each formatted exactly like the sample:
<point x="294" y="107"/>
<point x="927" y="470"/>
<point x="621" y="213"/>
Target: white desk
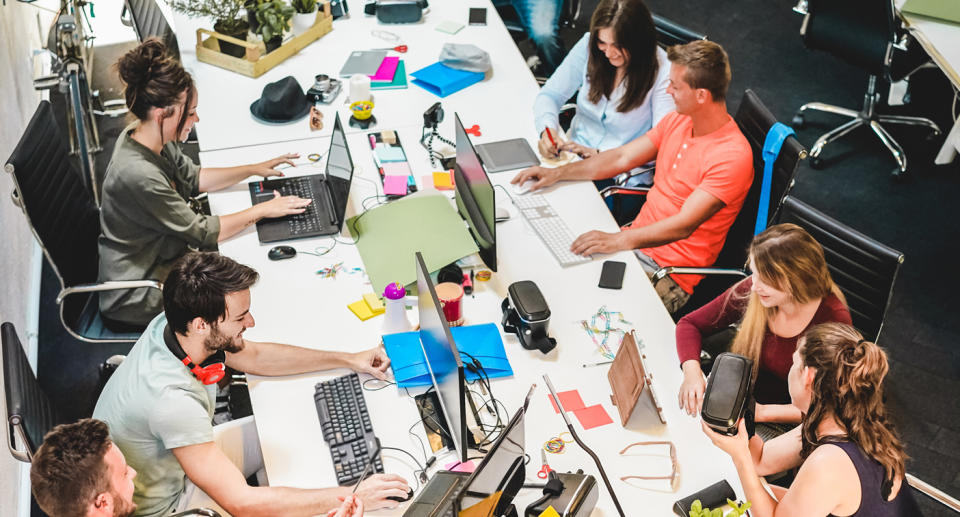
<point x="941" y="39"/>
<point x="291" y="304"/>
<point x="225" y="96"/>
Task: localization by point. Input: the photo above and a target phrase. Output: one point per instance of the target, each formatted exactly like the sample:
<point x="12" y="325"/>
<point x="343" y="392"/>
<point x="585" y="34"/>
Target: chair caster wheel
<point x="816" y="163"/>
<point x="898" y="175"/>
<point x="931" y="136"/>
<point x="798" y="121"/>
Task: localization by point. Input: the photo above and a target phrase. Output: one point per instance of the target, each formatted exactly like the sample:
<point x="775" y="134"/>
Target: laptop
<point x="329" y="192"/>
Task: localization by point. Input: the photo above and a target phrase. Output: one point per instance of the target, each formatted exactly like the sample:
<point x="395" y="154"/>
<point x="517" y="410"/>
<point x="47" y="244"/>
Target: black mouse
<point x="402" y="499"/>
<point x="281" y="252"/>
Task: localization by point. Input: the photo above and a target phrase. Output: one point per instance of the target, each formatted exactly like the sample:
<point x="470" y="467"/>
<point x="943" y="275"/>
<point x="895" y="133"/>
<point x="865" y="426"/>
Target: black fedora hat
<point x="282" y="101"/>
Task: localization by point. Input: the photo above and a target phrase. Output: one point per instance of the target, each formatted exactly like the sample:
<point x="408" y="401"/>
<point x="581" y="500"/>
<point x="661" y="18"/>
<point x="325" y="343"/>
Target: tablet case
<point x="628" y="377"/>
<point x="441" y="80"/>
<point x="713" y="496"/>
<point x="507" y="155"/>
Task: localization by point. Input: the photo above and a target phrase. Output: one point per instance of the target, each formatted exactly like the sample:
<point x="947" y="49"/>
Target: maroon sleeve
<point x="712" y="317"/>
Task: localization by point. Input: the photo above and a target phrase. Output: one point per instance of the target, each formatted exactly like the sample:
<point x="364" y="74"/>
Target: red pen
<point x="552" y="141"/>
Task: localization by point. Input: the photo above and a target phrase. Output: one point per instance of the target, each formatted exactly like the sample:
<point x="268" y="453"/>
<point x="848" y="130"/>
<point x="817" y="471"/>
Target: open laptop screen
<point x="339" y="170"/>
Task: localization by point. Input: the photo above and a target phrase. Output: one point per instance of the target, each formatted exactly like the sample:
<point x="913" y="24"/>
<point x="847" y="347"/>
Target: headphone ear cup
<point x="212" y="374"/>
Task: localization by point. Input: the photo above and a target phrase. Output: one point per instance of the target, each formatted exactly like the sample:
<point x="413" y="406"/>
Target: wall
<point x="19" y="254"/>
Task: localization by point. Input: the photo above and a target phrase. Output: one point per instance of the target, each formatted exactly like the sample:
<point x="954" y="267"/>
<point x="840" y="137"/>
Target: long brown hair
<point x="154" y="79"/>
<point x="848" y="386"/>
<point x="635" y="34"/>
<point x="789" y="259"/>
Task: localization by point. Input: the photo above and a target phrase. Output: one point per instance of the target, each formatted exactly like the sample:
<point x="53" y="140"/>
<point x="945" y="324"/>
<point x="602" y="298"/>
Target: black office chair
<point x="754" y="120"/>
<point x="864" y="33"/>
<point x="148" y="21"/>
<point x="63" y="217"/>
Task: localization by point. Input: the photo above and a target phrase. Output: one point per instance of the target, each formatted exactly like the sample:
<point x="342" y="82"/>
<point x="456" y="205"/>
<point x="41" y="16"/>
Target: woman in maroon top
<point x="790" y="291"/>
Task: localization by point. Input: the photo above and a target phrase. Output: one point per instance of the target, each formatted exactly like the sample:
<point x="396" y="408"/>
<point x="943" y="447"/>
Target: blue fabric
<point x="771" y="149"/>
<point x="599" y="125"/>
<point x="480" y="341"/>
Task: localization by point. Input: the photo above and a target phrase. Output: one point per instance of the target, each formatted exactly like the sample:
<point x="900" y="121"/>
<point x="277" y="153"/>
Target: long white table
<point x="292" y="304"/>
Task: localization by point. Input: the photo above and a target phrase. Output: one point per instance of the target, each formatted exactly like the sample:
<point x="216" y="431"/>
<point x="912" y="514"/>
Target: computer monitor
<point x="339" y="172"/>
<point x="443" y="360"/>
<point x="475" y="197"/>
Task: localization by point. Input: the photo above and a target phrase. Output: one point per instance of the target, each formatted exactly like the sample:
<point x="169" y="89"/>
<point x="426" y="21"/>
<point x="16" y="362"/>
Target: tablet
<point x="507" y="155"/>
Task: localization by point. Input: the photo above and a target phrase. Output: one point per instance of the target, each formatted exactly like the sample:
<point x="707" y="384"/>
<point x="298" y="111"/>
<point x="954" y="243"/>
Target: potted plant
<point x="227" y="17"/>
<point x="698" y="510"/>
<point x="251" y="7"/>
<point x="304" y="17"/>
<point x="274" y="18"/>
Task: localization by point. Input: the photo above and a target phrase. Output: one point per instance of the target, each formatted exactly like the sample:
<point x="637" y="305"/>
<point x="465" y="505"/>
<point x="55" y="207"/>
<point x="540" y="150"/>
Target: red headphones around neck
<point x="209" y="372"/>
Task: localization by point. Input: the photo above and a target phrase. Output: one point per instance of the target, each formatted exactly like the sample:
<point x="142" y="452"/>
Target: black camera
<point x="433" y="116"/>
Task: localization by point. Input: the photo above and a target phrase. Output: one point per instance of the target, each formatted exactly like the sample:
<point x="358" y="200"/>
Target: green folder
<point x="389" y="235"/>
<point x="399" y="80"/>
<point x="948" y="10"/>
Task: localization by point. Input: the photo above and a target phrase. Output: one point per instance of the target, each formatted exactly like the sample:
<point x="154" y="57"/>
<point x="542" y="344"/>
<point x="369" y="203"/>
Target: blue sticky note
<point x="441" y="80"/>
<point x="389" y="153"/>
<point x="483" y="342"/>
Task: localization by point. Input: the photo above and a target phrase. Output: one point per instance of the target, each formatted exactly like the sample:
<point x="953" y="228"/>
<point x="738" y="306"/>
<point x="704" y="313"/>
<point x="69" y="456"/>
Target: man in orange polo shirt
<point x="704" y="170"/>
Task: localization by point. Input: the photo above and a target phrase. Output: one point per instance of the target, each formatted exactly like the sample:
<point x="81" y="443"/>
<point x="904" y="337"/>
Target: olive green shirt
<point x="146" y="223"/>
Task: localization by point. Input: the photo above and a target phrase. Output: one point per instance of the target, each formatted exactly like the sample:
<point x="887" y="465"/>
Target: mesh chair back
<point x="864" y="269"/>
<point x="857" y="31"/>
<point x="149" y="22"/>
<point x="27" y="405"/>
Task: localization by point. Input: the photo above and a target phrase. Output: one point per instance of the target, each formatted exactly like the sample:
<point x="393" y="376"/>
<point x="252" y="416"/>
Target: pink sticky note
<point x="396" y="169"/>
<point x="593" y="416"/>
<point x="570" y="399"/>
<point x="426" y="181"/>
<point x="456" y="466"/>
<point x="395" y="185"/>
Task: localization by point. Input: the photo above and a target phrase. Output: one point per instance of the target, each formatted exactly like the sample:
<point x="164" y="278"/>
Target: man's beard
<point x="217" y="341"/>
<point x="122" y="507"/>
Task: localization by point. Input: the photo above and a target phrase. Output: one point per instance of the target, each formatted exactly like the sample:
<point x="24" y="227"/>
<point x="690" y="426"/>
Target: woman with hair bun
<point x="851" y="461"/>
<point x="148" y="217"/>
<point x="789" y="291"/>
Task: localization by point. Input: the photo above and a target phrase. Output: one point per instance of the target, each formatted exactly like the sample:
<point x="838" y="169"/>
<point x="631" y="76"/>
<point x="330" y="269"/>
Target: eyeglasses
<point x="673" y="460"/>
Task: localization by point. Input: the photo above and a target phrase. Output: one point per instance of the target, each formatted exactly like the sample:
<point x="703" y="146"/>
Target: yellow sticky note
<point x="361" y="310"/>
<point x="442" y="181"/>
<point x="373" y="301"/>
<point x="549" y="512"/>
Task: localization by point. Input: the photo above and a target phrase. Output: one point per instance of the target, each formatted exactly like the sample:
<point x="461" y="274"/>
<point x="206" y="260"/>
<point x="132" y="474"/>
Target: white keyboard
<point x="553" y="231"/>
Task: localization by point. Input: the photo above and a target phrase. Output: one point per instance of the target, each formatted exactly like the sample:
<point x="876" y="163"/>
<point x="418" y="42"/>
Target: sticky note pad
<point x="570" y="399"/>
<point x="373" y="301"/>
<point x="549" y="512"/>
<point x="450" y="27"/>
<point x="395" y="185"/>
<point x="361" y="310"/>
<point x="389" y="153"/>
<point x="388" y="137"/>
<point x="396" y="169"/>
<point x="593" y="416"/>
<point x="442" y="181"/>
<point x="426" y="181"/>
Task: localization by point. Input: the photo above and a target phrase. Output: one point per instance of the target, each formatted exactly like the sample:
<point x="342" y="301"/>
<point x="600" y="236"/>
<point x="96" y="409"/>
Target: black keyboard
<point x="310" y="221"/>
<point x="346" y="427"/>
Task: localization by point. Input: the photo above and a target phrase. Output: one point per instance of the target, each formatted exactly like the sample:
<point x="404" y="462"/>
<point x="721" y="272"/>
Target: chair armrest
<point x="801" y="7"/>
<point x="197" y="511"/>
<point x="568" y="107"/>
<point x="107" y="286"/>
<point x="614" y="190"/>
<point x="933" y="492"/>
<point x="661" y="273"/>
<point x="125" y="16"/>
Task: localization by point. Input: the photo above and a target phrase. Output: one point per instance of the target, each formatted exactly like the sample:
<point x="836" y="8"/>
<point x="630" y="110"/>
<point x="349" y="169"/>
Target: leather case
<point x="628" y="378"/>
<point x="729" y="388"/>
<point x="397" y="11"/>
<point x="713" y="496"/>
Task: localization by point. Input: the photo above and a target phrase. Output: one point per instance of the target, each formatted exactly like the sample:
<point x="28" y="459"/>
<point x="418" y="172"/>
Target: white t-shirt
<point x="153" y="404"/>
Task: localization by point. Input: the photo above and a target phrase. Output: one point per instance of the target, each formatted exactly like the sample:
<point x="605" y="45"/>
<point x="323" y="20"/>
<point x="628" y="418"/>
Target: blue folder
<point x="481" y="341"/>
<point x="441" y="80"/>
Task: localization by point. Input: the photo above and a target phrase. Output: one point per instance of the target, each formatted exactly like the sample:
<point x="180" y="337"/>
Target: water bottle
<point x="395" y="316"/>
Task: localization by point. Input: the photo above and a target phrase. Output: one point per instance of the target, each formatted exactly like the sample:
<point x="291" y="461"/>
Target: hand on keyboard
<point x="280" y="206"/>
<point x="375" y="490"/>
<point x="595" y="242"/>
<point x="541" y="176"/>
<point x="268" y="168"/>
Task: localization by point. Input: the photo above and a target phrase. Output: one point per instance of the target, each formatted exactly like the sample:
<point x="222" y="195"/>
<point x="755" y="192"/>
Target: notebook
<point x="386" y="71"/>
<point x="399" y="80"/>
<point x="365" y="62"/>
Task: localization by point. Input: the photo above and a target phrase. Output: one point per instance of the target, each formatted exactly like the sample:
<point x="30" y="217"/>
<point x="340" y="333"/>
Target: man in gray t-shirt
<point x="159" y="406"/>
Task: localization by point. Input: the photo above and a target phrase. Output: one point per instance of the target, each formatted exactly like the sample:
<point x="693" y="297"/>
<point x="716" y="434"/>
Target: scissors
<point x="545" y="469"/>
<point x="399" y="48"/>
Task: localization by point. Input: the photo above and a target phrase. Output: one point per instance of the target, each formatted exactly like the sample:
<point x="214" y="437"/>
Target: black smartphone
<point x="478" y="16"/>
<point x="611" y="277"/>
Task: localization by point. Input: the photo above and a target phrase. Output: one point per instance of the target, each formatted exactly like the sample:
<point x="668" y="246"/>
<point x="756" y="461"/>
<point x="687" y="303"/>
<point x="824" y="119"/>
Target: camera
<point x="324" y="90"/>
<point x="433" y="116"/>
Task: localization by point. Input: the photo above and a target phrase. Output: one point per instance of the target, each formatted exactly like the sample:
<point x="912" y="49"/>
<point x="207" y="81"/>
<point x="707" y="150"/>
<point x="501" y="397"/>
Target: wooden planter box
<point x="257" y="60"/>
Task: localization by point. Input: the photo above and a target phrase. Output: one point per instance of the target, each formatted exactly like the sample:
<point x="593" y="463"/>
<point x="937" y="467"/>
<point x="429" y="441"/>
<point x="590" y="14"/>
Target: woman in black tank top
<point x="851" y="461"/>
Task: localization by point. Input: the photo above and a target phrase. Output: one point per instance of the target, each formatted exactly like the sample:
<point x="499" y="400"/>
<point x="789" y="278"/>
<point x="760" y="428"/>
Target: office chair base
<point x="867" y="116"/>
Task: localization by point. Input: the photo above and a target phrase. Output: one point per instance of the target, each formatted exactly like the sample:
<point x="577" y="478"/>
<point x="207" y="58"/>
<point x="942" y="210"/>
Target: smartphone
<point x="611" y="277"/>
<point x="478" y="16"/>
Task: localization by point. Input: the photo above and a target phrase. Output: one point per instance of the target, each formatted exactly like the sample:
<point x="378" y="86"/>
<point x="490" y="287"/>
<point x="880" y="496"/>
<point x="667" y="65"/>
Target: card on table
<point x="593" y="416"/>
<point x="570" y="399"/>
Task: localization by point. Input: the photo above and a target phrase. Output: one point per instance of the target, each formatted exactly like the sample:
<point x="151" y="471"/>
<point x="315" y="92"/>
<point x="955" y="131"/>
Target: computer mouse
<point x="281" y="252"/>
<point x="524" y="187"/>
<point x="501" y="214"/>
<point x="402" y="499"/>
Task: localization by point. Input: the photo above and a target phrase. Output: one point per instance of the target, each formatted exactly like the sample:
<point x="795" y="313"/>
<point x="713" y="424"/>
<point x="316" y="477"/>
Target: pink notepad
<point x="388" y="67"/>
<point x="395" y="185"/>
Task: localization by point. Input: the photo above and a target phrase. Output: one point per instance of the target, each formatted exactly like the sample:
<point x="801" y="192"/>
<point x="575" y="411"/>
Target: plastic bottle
<point x="395" y="316"/>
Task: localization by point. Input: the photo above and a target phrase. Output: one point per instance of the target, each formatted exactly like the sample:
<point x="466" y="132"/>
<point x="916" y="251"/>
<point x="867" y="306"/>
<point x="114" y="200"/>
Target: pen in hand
<point x="553" y="142"/>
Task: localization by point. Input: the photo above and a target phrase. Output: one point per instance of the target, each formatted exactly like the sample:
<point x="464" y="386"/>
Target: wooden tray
<point x="257" y="60"/>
